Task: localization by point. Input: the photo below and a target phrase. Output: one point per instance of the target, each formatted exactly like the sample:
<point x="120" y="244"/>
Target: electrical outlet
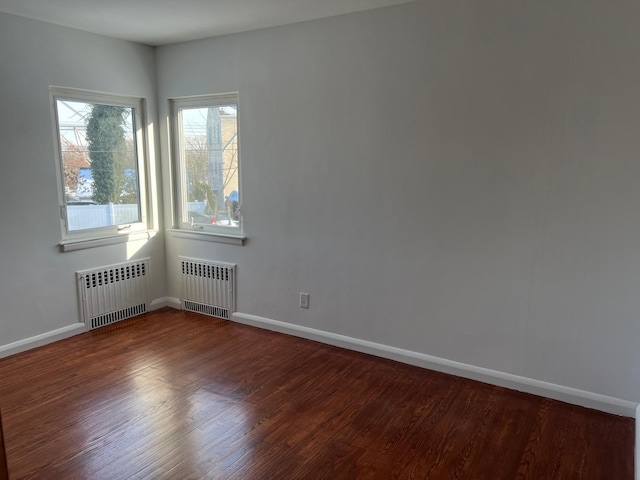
<point x="304" y="300"/>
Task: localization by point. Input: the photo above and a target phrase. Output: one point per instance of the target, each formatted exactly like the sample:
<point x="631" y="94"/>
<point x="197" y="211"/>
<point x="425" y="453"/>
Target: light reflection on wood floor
<point x="178" y="395"/>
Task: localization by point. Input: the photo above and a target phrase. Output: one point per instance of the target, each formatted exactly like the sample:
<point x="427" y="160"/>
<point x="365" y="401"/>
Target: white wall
<point x="454" y="178"/>
<point x="37" y="282"/>
<point x="446" y="177"/>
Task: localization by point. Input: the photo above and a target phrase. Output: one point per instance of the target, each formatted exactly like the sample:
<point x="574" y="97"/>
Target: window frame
<point x="74" y="239"/>
<point x="212" y="232"/>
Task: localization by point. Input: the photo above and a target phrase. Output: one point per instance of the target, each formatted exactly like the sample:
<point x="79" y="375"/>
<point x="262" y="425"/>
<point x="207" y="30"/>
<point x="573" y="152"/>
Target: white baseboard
<point x="42" y="339"/>
<point x="159" y="303"/>
<point x="71" y="330"/>
<point x="523" y="384"/>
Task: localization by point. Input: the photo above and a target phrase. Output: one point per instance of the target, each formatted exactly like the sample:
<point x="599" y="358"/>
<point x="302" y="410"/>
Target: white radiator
<point x="208" y="287"/>
<point x="113" y="293"/>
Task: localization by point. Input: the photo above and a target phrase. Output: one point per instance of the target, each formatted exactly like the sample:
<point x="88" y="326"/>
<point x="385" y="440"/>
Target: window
<point x="205" y="133"/>
<point x="100" y="152"/>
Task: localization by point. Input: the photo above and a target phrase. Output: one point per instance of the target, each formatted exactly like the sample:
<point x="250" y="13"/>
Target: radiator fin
<point x="208" y="287"/>
<point x="113" y="293"/>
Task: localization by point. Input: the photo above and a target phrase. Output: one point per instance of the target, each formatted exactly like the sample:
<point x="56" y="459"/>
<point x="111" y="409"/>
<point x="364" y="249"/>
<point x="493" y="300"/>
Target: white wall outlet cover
<point x="304" y="300"/>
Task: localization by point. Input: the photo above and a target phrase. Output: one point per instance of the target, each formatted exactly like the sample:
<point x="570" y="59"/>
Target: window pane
<point x="209" y="175"/>
<point x="99" y="164"/>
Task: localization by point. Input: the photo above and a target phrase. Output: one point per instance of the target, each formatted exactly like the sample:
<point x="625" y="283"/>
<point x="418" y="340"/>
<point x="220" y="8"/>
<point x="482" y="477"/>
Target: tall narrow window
<point x="208" y="163"/>
<point x="99" y="152"/>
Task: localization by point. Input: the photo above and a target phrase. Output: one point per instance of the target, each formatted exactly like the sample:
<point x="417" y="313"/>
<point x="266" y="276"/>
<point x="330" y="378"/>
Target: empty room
<point x="339" y="239"/>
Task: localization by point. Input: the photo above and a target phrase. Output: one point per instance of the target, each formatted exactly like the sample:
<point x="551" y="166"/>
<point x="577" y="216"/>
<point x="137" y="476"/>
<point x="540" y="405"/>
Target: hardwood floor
<point x="4" y="473"/>
<point x="177" y="395"/>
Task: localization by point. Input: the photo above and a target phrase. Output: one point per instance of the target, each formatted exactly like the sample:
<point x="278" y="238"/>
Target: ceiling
<point x="161" y="22"/>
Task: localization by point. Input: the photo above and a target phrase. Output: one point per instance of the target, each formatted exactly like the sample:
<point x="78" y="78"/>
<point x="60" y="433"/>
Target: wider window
<point x="100" y="152"/>
<point x="205" y="134"/>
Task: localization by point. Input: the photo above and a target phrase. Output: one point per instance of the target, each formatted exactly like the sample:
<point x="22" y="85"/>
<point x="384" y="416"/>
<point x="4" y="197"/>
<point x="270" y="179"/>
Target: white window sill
<point x="81" y="244"/>
<point x="208" y="236"/>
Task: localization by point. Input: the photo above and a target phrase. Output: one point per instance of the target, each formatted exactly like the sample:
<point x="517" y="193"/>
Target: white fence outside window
<point x="199" y="207"/>
<point x="80" y="217"/>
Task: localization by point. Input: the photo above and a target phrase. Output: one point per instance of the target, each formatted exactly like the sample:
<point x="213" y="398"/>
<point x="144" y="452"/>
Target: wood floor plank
<point x="177" y="395"/>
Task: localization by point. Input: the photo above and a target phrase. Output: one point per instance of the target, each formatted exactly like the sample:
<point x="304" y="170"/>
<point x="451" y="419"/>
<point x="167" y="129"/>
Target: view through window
<point x="99" y="159"/>
<point x="207" y="144"/>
